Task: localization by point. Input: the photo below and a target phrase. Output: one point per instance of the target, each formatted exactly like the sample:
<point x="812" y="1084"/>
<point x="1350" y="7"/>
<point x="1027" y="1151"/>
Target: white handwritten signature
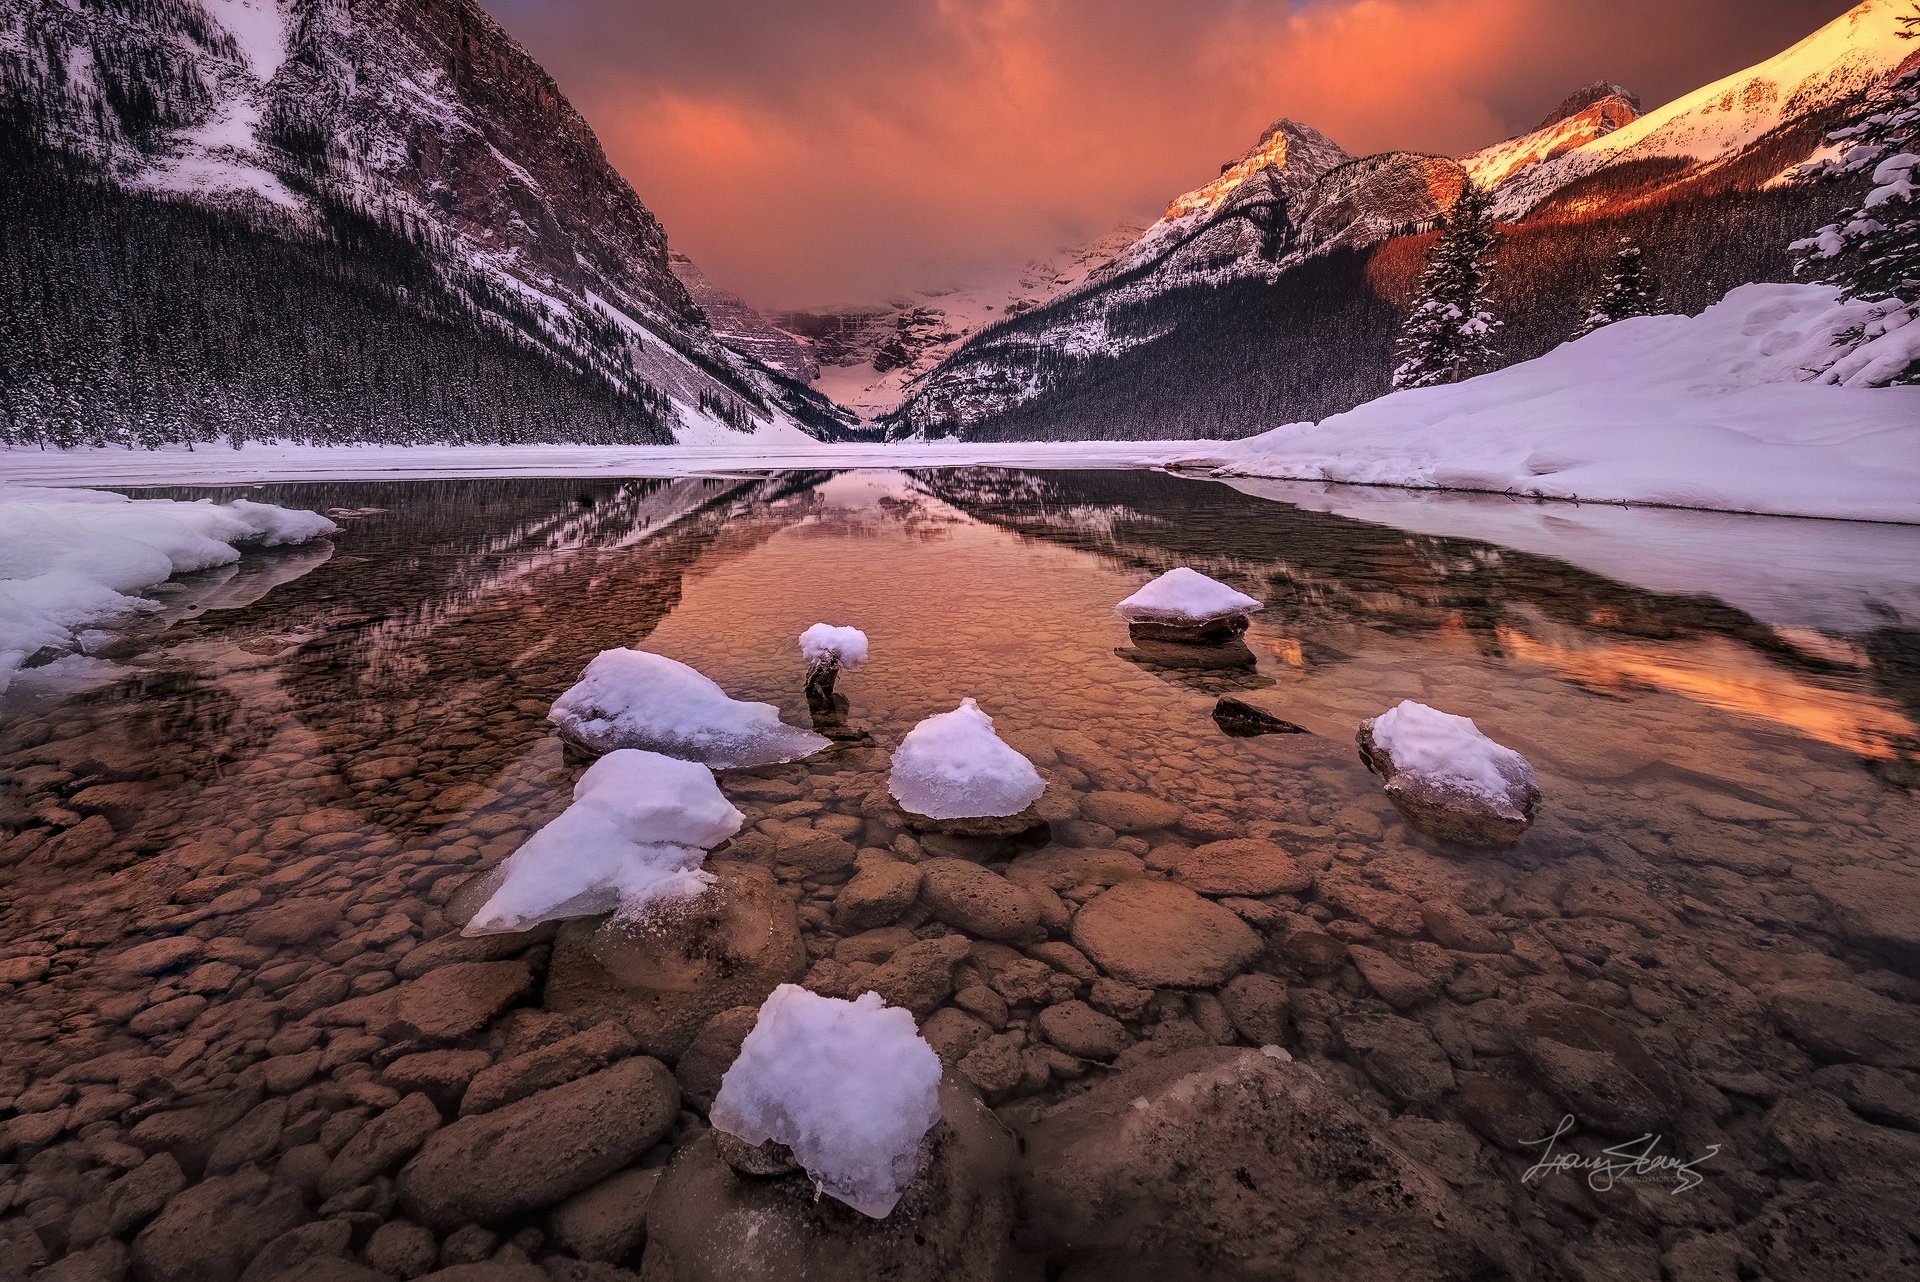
<point x="1635" y="1159"/>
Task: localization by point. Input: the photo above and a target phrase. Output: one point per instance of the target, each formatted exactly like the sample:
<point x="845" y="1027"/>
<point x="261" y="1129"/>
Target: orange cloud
<point x="848" y="150"/>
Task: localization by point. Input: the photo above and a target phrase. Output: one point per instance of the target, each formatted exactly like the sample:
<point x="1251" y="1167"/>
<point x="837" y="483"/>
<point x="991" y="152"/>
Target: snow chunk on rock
<point x="72" y="560"/>
<point x="634" y="838"/>
<point x="851" y="1087"/>
<point x="823" y="643"/>
<point x="1185" y="596"/>
<point x="633" y="699"/>
<point x="1447" y="778"/>
<point x="953" y="766"/>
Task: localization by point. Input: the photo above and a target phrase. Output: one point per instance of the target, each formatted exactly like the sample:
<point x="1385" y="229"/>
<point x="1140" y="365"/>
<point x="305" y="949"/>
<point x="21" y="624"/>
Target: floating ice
<point x="953" y="766"/>
<point x="1185" y="596"/>
<point x="635" y="836"/>
<point x="823" y="643"/>
<point x="70" y="560"/>
<point x="1449" y="752"/>
<point x="632" y="699"/>
<point x="850" y="1087"/>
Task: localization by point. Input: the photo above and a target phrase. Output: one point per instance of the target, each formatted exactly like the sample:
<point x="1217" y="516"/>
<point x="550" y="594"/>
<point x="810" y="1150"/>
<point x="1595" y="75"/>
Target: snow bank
<point x="823" y="643"/>
<point x="635" y="836"/>
<point x="71" y="560"/>
<point x="632" y="699"/>
<point x="1185" y="596"/>
<point x="953" y="766"/>
<point x="1711" y="411"/>
<point x="851" y="1087"/>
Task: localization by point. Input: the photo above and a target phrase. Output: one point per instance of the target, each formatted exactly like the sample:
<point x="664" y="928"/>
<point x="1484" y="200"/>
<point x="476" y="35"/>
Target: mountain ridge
<point x="1595" y="159"/>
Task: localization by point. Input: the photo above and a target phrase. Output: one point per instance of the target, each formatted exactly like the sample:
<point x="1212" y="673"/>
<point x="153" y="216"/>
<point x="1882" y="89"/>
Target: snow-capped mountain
<point x="303" y="118"/>
<point x="1718" y="121"/>
<point x="1268" y="237"/>
<point x="869" y="357"/>
<point x="1586" y="115"/>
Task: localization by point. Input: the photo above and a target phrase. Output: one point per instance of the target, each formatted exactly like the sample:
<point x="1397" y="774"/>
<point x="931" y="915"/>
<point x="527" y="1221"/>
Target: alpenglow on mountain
<point x="320" y="220"/>
<point x="1273" y="293"/>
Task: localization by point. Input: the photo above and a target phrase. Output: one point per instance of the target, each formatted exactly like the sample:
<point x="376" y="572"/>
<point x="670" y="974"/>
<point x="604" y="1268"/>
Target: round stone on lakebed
<point x="1161" y="935"/>
<point x="1242" y="866"/>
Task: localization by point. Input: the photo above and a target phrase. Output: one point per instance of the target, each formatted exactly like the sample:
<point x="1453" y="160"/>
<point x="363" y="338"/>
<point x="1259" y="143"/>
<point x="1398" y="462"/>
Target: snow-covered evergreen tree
<point x="1872" y="253"/>
<point x="1628" y="290"/>
<point x="1449" y="334"/>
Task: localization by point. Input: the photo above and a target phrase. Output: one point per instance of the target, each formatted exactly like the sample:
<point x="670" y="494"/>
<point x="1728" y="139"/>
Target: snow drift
<point x="953" y="766"/>
<point x="851" y="1087"/>
<point x="1184" y="595"/>
<point x="633" y="699"/>
<point x="73" y="560"/>
<point x="634" y="838"/>
<point x="1711" y="411"/>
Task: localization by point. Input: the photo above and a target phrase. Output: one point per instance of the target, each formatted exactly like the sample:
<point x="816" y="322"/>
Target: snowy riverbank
<point x="1711" y="411"/>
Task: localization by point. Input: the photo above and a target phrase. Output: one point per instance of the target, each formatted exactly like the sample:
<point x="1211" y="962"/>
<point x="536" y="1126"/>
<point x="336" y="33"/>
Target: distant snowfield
<point x="1710" y="412"/>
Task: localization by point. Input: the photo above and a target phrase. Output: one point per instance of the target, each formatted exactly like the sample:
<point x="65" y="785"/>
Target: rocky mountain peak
<point x="1617" y="104"/>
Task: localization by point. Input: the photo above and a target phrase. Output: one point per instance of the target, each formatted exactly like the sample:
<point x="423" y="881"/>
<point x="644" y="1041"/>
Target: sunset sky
<point x="810" y="152"/>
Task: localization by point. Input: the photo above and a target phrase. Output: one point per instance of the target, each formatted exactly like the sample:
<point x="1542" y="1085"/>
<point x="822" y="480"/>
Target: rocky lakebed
<point x="1219" y="1012"/>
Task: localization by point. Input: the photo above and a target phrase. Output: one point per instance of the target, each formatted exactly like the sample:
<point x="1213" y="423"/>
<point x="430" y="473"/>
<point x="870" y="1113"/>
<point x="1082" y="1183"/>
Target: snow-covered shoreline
<point x="1708" y="413"/>
<point x="1713" y="412"/>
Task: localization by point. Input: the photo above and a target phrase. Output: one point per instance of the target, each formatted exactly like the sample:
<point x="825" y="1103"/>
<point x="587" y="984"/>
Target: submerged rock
<point x="1243" y="720"/>
<point x="538" y="1151"/>
<point x="1448" y="779"/>
<point x="1227" y="1162"/>
<point x="953" y="1223"/>
<point x="1161" y="935"/>
<point x="731" y="946"/>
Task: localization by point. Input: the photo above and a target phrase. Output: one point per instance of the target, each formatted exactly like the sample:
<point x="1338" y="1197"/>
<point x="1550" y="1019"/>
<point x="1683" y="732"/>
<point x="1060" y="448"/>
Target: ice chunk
<point x="953" y="766"/>
<point x="1448" y="750"/>
<point x="71" y="560"/>
<point x="634" y="838"/>
<point x="632" y="699"/>
<point x="823" y="643"/>
<point x="1185" y="596"/>
<point x="850" y="1087"/>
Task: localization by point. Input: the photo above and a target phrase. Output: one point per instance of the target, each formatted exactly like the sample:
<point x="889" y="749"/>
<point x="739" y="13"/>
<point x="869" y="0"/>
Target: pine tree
<point x="1449" y="334"/>
<point x="1629" y="290"/>
<point x="1872" y="253"/>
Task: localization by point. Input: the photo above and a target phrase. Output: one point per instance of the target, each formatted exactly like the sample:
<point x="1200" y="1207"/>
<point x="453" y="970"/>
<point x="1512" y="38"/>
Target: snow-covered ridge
<point x="1491" y="166"/>
<point x="1720" y="411"/>
<point x="74" y="561"/>
<point x="1716" y="121"/>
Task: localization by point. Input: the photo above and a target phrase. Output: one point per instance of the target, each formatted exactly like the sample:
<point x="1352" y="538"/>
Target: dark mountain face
<point x="321" y="124"/>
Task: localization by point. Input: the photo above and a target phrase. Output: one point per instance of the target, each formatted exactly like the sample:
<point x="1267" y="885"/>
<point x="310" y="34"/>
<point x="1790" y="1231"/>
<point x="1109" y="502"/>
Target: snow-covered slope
<point x="423" y="115"/>
<point x="1588" y="114"/>
<point x="1717" y="121"/>
<point x="1723" y="410"/>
